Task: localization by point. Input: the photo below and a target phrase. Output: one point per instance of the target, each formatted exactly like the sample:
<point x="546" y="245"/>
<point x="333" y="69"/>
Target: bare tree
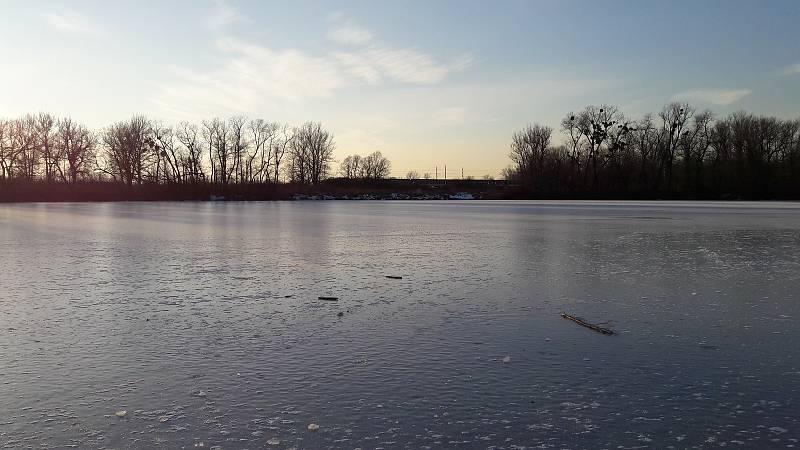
<point x="263" y="135"/>
<point x="569" y="125"/>
<point x="284" y="138"/>
<point x="238" y="147"/>
<point x="412" y="175"/>
<point x="17" y="148"/>
<point x="45" y="131"/>
<point x="7" y="151"/>
<point x="167" y="153"/>
<point x="693" y="145"/>
<point x="528" y="150"/>
<point x="217" y="138"/>
<point x="312" y="153"/>
<point x="674" y="117"/>
<point x="374" y="166"/>
<point x="24" y="141"/>
<point x="350" y="167"/>
<point x="189" y="137"/>
<point x="75" y="144"/>
<point x="127" y="146"/>
<point x="595" y="125"/>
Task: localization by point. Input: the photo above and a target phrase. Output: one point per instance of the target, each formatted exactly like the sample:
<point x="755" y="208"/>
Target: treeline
<point x="241" y="151"/>
<point x="374" y="166"/>
<point x="679" y="152"/>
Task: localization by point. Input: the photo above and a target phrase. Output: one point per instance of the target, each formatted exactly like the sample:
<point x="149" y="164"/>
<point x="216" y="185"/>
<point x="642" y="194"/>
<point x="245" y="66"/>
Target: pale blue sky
<point x="427" y="83"/>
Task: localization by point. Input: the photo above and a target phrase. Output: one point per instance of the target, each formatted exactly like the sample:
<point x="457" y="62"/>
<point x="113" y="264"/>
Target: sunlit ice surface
<point x="143" y="325"/>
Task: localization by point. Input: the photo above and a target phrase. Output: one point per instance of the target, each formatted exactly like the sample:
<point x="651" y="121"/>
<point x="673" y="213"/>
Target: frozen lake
<point x="202" y="322"/>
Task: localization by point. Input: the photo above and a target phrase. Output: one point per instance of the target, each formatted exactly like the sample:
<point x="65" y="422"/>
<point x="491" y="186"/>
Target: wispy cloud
<point x="794" y="69"/>
<point x="249" y="74"/>
<point x="222" y="15"/>
<point x="375" y="63"/>
<point x="350" y="34"/>
<point x="359" y="66"/>
<point x="71" y="22"/>
<point x="404" y="65"/>
<point x="721" y="97"/>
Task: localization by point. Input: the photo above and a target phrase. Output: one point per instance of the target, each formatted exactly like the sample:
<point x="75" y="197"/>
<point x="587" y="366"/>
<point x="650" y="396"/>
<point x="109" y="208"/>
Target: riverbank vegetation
<point x="241" y="151"/>
<point x="678" y="153"/>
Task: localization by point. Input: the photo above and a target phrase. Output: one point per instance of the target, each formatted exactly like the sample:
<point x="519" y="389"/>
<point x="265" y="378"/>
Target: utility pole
<point x="462" y="173"/>
<point x="445" y="171"/>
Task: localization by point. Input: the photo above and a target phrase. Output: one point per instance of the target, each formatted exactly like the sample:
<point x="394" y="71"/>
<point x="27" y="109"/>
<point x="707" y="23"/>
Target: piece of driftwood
<point x="394" y="277"/>
<point x="591" y="326"/>
<point x="330" y="299"/>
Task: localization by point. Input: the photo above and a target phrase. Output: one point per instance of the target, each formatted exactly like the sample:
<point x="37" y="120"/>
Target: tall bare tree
<point x="127" y="149"/>
<point x="374" y="166"/>
<point x="45" y="130"/>
<point x="311" y="153"/>
<point x="26" y="144"/>
<point x="76" y="146"/>
<point x="166" y="153"/>
<point x="217" y="137"/>
<point x="259" y="160"/>
<point x="192" y="161"/>
<point x="238" y="147"/>
<point x="284" y="139"/>
<point x="674" y="118"/>
<point x="528" y="150"/>
<point x="7" y="151"/>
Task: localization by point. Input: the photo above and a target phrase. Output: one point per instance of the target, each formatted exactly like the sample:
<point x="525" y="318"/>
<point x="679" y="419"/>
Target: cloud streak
<point x="248" y="74"/>
<point x="71" y="23"/>
<point x="350" y="34"/>
<point x="794" y="69"/>
<point x="720" y="97"/>
<point x="376" y="64"/>
<point x="222" y="16"/>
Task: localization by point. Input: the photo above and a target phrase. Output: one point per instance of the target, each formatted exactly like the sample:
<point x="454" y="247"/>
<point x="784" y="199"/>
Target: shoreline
<point x="334" y="189"/>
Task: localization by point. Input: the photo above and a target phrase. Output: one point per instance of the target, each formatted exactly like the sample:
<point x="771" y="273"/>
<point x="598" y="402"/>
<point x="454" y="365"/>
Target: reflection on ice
<point x="198" y="325"/>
